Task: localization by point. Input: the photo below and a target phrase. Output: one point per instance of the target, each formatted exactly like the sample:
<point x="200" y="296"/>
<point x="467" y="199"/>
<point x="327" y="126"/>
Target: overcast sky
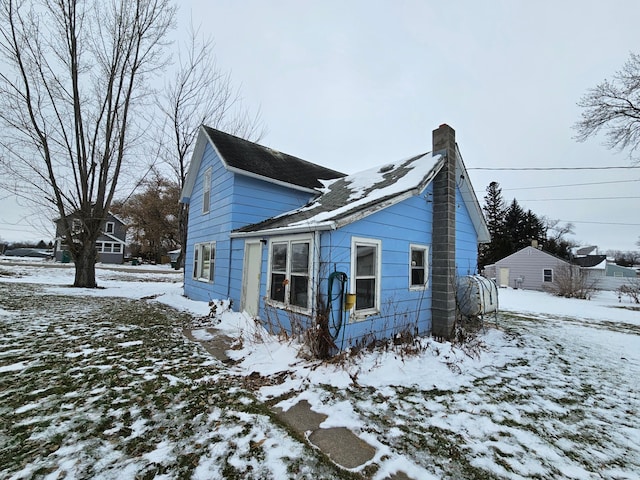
<point x="353" y="84"/>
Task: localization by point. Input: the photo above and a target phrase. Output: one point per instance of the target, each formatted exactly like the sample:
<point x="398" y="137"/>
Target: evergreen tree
<point x="494" y="210"/>
<point x="533" y="229"/>
<point x="514" y="226"/>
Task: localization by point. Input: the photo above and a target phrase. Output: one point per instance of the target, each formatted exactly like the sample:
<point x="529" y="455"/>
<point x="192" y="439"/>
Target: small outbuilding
<point x="530" y="268"/>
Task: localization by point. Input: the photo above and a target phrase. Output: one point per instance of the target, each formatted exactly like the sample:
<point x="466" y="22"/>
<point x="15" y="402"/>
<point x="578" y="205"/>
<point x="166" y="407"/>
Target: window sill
<point x="363" y="315"/>
<point x="288" y="307"/>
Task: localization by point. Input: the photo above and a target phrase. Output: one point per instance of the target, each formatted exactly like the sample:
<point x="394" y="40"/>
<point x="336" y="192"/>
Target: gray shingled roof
<point x="345" y="198"/>
<point x="257" y="159"/>
<point x="589" y="260"/>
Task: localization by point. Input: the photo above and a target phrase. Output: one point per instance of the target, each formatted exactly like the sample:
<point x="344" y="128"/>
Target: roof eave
<point x="194" y="165"/>
<point x="247" y="173"/>
<point x="471" y="201"/>
<point x="288" y="230"/>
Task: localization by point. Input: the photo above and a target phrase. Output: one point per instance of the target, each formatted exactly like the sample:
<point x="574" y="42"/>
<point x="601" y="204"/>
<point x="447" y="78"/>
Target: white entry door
<point x="504" y="277"/>
<point x="251" y="277"/>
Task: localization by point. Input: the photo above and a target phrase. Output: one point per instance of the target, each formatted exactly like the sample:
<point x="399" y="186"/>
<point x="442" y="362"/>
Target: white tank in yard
<point x="476" y="295"/>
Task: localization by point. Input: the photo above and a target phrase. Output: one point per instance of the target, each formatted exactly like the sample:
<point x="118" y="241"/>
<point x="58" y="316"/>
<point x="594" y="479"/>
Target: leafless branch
<point x="613" y="107"/>
<point x="70" y="94"/>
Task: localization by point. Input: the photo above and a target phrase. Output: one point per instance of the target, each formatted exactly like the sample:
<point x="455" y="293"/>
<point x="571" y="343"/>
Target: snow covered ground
<point x="94" y="383"/>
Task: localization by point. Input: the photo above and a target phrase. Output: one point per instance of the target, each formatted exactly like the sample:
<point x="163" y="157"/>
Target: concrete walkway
<point x="339" y="444"/>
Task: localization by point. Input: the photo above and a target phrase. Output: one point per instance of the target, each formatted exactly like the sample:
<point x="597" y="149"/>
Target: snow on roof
<point x="345" y="199"/>
<point x="600" y="266"/>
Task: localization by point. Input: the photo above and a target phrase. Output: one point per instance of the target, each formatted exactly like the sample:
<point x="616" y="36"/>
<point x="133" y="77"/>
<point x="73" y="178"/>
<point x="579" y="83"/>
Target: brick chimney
<point x="443" y="248"/>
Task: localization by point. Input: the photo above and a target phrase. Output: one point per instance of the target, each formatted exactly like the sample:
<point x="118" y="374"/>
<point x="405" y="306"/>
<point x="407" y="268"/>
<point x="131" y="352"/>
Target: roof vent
<point x="386" y="168"/>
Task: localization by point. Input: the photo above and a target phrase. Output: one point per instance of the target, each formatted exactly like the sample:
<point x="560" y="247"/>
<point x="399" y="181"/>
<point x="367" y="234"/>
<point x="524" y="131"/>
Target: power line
<point x="580" y="198"/>
<point x="603" y="223"/>
<point x="571" y="185"/>
<point x="561" y="186"/>
<point x="551" y="168"/>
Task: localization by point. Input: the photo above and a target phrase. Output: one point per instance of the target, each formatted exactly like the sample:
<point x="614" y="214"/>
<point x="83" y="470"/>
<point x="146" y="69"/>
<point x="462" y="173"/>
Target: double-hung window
<point x="547" y="275"/>
<point x="365" y="274"/>
<point x="206" y="191"/>
<point x="204" y="257"/>
<point x="289" y="272"/>
<point x="109" y="227"/>
<point x="418" y="267"/>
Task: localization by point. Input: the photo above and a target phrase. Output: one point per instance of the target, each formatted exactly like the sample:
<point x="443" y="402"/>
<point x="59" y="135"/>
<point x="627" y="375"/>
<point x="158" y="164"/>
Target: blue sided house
<point x="359" y="257"/>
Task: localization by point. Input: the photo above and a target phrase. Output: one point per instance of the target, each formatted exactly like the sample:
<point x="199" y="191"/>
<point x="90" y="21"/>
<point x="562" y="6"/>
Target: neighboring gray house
<point x="529" y="268"/>
<point x="110" y="244"/>
<point x="532" y="269"/>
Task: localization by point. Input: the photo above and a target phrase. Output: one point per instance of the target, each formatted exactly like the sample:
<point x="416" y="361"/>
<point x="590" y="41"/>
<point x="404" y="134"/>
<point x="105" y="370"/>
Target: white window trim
<point x="101" y="247"/>
<point x="197" y="257"/>
<point x="552" y="275"/>
<point x="425" y="249"/>
<point x="109" y="230"/>
<point x="286" y="305"/>
<point x="357" y="241"/>
<point x="206" y="191"/>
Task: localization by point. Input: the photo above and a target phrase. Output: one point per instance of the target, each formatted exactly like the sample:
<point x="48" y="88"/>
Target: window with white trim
<point x="418" y="267"/>
<point x="289" y="272"/>
<point x="204" y="259"/>
<point x="365" y="274"/>
<point x="547" y="275"/>
<point x="109" y="247"/>
<point x="109" y="227"/>
<point x="206" y="191"/>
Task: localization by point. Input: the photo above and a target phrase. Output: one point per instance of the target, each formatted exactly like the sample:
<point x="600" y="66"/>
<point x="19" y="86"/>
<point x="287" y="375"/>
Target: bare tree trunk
<point x="85" y="263"/>
<point x="73" y="76"/>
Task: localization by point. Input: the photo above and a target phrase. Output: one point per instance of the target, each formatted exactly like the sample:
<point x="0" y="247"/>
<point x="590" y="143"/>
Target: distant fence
<point x="613" y="283"/>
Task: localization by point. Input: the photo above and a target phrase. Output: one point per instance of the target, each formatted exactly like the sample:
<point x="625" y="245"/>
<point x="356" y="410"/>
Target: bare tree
<point x="200" y="93"/>
<point x="614" y="105"/>
<point x="556" y="240"/>
<point x="75" y="72"/>
<point x="571" y="281"/>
